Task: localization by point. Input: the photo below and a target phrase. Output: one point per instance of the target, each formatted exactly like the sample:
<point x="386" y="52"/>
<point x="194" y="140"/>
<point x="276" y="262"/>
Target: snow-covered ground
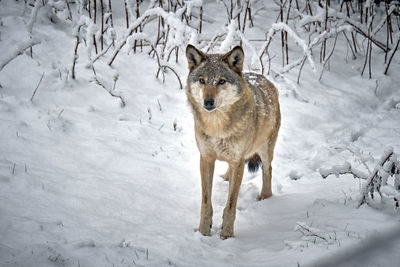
<point x="86" y="182"/>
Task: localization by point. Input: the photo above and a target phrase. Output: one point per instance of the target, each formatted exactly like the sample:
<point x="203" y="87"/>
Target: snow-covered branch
<point x="377" y="180"/>
<point x="280" y="27"/>
<point x="227" y="42"/>
<point x="179" y="30"/>
<point x="313" y="24"/>
<point x="342" y="19"/>
<point x="102" y="84"/>
<point x="18" y="50"/>
<point x="346" y="168"/>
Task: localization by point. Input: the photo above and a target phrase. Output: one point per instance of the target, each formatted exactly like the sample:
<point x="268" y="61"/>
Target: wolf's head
<point x="215" y="80"/>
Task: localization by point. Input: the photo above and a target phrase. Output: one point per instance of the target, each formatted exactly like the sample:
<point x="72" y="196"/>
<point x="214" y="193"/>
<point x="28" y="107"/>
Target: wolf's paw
<point x="264" y="196"/>
<point x="227" y="228"/>
<point x="205" y="230"/>
<point x="226" y="233"/>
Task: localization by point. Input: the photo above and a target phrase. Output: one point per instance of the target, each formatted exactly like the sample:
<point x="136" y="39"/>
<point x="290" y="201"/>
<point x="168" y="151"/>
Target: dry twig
<point x="37" y="87"/>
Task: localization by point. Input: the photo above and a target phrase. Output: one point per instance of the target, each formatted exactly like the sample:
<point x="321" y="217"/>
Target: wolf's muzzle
<point x="209" y="104"/>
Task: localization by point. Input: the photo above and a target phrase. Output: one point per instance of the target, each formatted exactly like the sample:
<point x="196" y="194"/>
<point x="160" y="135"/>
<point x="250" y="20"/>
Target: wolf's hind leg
<point x="267" y="155"/>
<point x="228" y="174"/>
<point x="266" y="190"/>
<point x="206" y="171"/>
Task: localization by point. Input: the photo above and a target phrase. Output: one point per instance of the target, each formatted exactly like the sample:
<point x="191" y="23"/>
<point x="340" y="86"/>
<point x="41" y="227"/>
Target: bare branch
<point x="308" y="232"/>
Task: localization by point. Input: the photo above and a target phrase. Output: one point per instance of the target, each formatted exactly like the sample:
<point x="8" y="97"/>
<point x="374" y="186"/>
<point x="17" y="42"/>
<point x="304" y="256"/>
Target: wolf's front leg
<point x="237" y="169"/>
<point x="206" y="171"/>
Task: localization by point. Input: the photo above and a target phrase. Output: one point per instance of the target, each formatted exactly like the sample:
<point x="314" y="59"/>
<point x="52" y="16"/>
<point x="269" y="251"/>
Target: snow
<point x="34" y="13"/>
<point x="193" y="3"/>
<point x="85" y="182"/>
<point x="227" y="42"/>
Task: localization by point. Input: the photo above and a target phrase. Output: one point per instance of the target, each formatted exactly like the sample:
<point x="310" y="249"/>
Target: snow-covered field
<point x="86" y="182"/>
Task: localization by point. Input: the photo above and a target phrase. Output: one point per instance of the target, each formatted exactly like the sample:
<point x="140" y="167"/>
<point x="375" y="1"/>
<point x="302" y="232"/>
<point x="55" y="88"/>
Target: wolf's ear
<point x="194" y="56"/>
<point x="235" y="58"/>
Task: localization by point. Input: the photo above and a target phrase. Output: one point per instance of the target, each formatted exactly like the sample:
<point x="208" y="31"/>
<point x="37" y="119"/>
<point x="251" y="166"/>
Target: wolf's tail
<point x="254" y="163"/>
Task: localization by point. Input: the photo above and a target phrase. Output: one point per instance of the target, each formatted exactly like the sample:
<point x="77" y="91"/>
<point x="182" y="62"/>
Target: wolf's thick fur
<point x="237" y="118"/>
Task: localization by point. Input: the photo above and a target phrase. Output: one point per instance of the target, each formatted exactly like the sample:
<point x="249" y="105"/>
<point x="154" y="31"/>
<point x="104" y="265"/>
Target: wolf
<point x="236" y="119"/>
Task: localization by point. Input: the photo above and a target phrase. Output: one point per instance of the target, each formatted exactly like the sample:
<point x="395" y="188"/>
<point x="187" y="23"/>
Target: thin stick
<point x="126" y="15"/>
<point x="201" y="19"/>
<point x="391" y="57"/>
<point x="102" y="25"/>
<point x="368" y="44"/>
<point x="69" y="9"/>
<point x="95" y="11"/>
<point x="238" y="13"/>
<point x="251" y="18"/>
<point x="349" y="43"/>
<point x="245" y="15"/>
<point x="369" y="61"/>
<point x="137" y="16"/>
<point x="325" y="28"/>
<point x="286" y="34"/>
<point x="75" y="57"/>
<point x="170" y="52"/>
<point x="352" y="34"/>
<point x="329" y="56"/>
<point x="387" y="31"/>
<point x="301" y="68"/>
<point x="111" y="16"/>
<point x="37" y="87"/>
<point x="366" y="58"/>
<point x="370" y="47"/>
<point x="282" y="35"/>
<point x="269" y="63"/>
<point x="89" y="9"/>
<point x="261" y="63"/>
<point x="95" y="43"/>
<point x="159" y="104"/>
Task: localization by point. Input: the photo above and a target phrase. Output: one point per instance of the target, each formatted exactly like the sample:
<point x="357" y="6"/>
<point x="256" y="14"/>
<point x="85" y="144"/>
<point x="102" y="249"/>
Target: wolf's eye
<point x="222" y="81"/>
<point x="201" y="80"/>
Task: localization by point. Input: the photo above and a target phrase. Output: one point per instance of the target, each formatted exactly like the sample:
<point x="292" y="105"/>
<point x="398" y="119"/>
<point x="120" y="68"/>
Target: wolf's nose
<point x="209" y="103"/>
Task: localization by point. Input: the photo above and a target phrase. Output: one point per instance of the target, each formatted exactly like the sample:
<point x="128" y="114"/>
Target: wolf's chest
<point x="225" y="148"/>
